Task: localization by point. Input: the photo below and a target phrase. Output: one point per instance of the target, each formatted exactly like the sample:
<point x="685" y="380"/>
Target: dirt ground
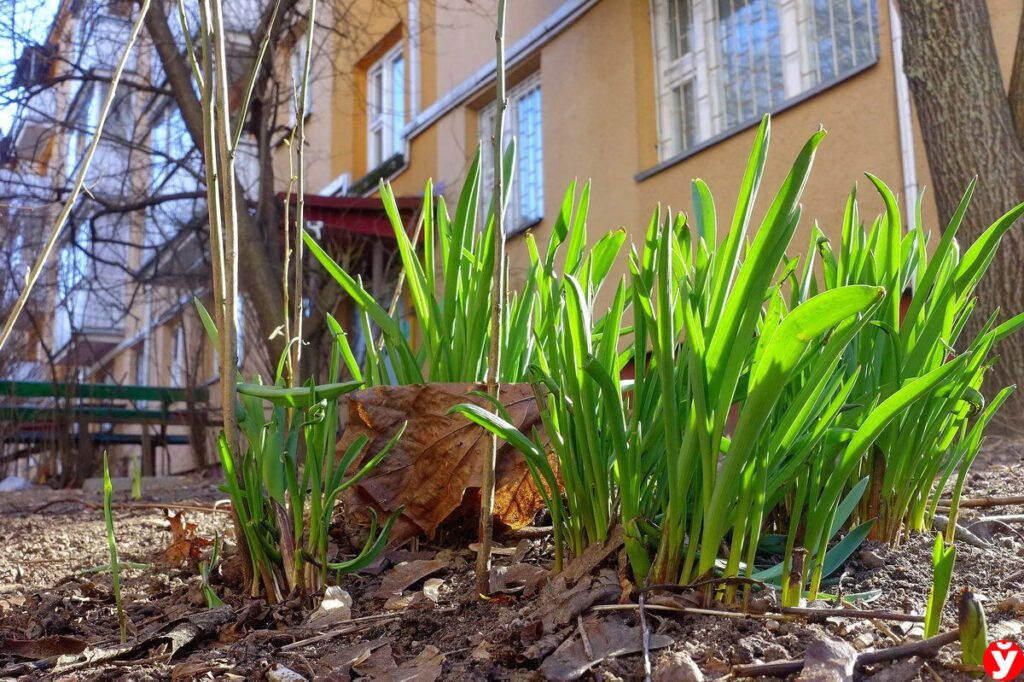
<point x="412" y="617"/>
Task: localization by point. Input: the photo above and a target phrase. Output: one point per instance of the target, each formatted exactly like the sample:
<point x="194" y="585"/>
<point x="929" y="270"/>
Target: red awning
<point x="356" y="215"/>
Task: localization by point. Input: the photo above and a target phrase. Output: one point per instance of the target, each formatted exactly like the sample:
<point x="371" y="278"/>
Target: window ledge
<point x="751" y="122"/>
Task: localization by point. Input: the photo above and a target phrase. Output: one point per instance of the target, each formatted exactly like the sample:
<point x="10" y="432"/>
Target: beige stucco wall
<point x="599" y="123"/>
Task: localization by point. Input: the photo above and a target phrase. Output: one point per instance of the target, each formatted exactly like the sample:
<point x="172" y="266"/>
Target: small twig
<point x="882" y="627"/>
<point x="159" y="658"/>
<point x="139" y="505"/>
<point x="528" y="533"/>
<point x="645" y="638"/>
<point x="986" y="502"/>
<point x="737" y="580"/>
<point x="963" y="667"/>
<point x="692" y="610"/>
<point x="360" y="624"/>
<point x="1004" y="518"/>
<point x="932" y="674"/>
<point x="928" y="648"/>
<point x="852" y="613"/>
<point x="1000" y="521"/>
<point x="587" y="649"/>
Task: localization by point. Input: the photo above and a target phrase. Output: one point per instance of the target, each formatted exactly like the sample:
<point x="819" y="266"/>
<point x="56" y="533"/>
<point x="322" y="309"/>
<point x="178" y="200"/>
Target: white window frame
<point x="702" y="67"/>
<point x="515" y="219"/>
<point x="384" y="116"/>
<point x="177" y="354"/>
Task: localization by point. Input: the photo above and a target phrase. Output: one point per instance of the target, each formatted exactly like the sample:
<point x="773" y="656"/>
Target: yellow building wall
<point x="600" y="121"/>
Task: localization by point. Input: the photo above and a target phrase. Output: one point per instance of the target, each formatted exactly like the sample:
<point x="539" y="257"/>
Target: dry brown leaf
<point x="197" y="670"/>
<point x="377" y="664"/>
<point x="405" y="574"/>
<point x="439" y="457"/>
<point x="593" y="556"/>
<point x="335" y="608"/>
<point x="607" y="639"/>
<point x="426" y="667"/>
<point x="525" y="578"/>
<point x="564" y="607"/>
<point x="282" y="673"/>
<point x="186" y="544"/>
<point x="341" y="661"/>
<point x="401" y="602"/>
<point x="44" y="647"/>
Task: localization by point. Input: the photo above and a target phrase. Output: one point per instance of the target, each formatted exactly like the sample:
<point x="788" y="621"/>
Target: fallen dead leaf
<point x="496" y="550"/>
<point x="593" y="556"/>
<point x="405" y="574"/>
<point x="186" y="545"/>
<point x="564" y="608"/>
<point x="607" y="638"/>
<point x="282" y="673"/>
<point x="44" y="647"/>
<point x="425" y="667"/>
<point x="482" y="651"/>
<point x="189" y="670"/>
<point x="401" y="602"/>
<point x="439" y="457"/>
<point x="380" y="662"/>
<point x="340" y="662"/>
<point x="335" y="608"/>
<point x="432" y="589"/>
<point x="525" y="578"/>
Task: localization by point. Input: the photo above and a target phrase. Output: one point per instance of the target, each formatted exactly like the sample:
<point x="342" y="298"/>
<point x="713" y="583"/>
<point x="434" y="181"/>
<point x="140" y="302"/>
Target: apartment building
<point x="116" y="304"/>
<point x="637" y="96"/>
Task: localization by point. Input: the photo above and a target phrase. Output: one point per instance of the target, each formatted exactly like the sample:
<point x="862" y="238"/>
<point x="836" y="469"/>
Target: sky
<point x="32" y="17"/>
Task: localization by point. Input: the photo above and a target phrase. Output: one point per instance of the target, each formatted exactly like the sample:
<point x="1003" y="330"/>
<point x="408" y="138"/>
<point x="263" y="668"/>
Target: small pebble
<point x="863" y="641"/>
<point x="870" y="559"/>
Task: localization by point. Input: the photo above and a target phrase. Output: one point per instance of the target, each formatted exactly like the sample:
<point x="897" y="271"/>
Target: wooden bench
<point x="67" y="405"/>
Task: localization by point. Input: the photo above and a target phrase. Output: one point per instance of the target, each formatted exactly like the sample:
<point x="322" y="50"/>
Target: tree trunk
<point x="259" y="248"/>
<point x="966" y="122"/>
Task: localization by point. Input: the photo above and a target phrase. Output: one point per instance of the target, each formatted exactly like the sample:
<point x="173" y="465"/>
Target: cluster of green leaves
<point x="768" y="394"/>
<point x="448" y="281"/>
<point x="918" y="452"/>
<point x="284" y="485"/>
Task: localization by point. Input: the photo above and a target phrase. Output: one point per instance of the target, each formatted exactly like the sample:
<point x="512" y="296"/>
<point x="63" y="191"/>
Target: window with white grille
<point x="721" y="64"/>
<point x="385" y="111"/>
<point x="523" y="122"/>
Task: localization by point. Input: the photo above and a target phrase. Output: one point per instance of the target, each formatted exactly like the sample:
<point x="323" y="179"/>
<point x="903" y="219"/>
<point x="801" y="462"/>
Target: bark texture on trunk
<point x="967" y="124"/>
<point x="259" y="251"/>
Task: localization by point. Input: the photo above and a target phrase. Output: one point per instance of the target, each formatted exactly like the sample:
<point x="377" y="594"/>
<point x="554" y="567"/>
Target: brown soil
<point x="51" y="537"/>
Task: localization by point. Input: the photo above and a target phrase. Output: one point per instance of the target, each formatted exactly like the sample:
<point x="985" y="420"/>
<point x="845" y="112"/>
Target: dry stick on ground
<point x="852" y="613"/>
<point x="483" y="557"/>
<point x="136" y="505"/>
<point x="645" y="635"/>
<point x="928" y="648"/>
<point x="351" y="626"/>
<point x="985" y="502"/>
<point x="788" y="613"/>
